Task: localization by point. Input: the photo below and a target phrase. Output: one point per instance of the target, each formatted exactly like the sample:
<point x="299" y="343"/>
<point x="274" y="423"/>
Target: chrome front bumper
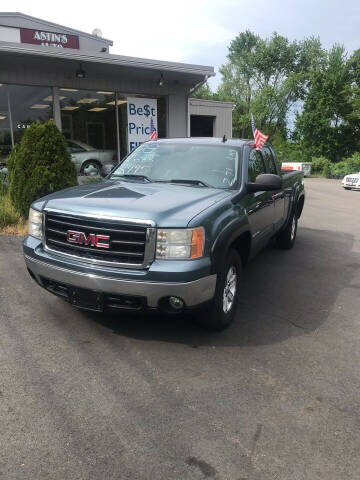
<point x="193" y="293"/>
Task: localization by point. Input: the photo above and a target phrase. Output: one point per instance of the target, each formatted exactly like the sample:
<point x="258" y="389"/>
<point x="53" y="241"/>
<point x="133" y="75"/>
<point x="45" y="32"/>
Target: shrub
<point x="39" y="165"/>
<point x="8" y="214"/>
<point x="320" y="165"/>
<point x="3" y="185"/>
<point x="346" y="166"/>
<point x="353" y="163"/>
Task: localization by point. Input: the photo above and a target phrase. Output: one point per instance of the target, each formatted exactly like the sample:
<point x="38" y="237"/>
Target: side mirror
<point x="265" y="182"/>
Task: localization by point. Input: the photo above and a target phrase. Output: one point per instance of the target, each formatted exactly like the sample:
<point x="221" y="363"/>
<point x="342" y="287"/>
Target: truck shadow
<point x="284" y="294"/>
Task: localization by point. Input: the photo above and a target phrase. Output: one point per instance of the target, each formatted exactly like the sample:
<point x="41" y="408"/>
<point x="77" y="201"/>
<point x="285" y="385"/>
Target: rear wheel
<point x="220" y="313"/>
<point x="347" y="188"/>
<point x="286" y="237"/>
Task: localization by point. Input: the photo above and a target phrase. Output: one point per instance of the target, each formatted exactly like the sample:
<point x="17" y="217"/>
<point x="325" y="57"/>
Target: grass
<point x="11" y="222"/>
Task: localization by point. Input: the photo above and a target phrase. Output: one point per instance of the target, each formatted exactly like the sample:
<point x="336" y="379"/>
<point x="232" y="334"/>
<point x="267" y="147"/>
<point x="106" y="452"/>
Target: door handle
<point x="278" y="195"/>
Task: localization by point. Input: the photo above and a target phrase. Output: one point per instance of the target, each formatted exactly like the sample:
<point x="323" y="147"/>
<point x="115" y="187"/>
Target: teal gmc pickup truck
<point x="170" y="228"/>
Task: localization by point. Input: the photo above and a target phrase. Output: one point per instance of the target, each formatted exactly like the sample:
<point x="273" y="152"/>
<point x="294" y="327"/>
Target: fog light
<point x="176" y="303"/>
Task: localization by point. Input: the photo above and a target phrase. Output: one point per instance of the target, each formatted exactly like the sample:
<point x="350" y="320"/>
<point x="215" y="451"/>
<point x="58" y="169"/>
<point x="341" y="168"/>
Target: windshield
<point x="214" y="166"/>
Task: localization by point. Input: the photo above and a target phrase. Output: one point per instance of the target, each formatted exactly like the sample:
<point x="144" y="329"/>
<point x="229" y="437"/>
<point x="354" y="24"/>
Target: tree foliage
<point x="39" y="165"/>
<point x="267" y="77"/>
<point x="329" y="122"/>
<point x="305" y="97"/>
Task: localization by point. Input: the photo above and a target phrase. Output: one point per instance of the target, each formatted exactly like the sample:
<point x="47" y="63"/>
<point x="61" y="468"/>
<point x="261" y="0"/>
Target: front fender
<point x="228" y="235"/>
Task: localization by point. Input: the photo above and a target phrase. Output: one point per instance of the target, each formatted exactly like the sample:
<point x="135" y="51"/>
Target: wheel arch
<point x="88" y="160"/>
<point x="234" y="236"/>
<point x="300" y="205"/>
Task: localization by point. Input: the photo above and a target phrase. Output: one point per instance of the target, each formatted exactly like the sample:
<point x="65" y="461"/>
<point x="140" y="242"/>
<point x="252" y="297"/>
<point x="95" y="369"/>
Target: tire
<point x="285" y="239"/>
<point x="347" y="188"/>
<point x="221" y="311"/>
<point x="91" y="168"/>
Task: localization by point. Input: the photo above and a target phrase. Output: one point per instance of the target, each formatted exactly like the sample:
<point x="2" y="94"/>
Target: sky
<point x="199" y="31"/>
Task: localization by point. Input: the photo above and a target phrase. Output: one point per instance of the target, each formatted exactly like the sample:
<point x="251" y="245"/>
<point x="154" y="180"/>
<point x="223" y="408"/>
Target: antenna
<point x="97" y="32"/>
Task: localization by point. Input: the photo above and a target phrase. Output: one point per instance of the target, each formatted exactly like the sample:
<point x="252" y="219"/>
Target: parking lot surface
<point x="85" y="396"/>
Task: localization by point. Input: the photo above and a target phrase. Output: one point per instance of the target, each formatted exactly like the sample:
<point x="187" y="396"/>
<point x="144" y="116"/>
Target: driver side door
<point x="260" y="209"/>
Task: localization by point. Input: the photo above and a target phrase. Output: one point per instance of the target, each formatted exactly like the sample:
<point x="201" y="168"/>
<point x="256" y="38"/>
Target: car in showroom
<point x="352" y="181"/>
<point x="89" y="160"/>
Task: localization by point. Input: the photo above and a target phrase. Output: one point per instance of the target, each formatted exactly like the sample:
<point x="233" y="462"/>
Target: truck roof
<point x="233" y="142"/>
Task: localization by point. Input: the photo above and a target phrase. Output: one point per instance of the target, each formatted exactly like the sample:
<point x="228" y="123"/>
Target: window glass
<point x="256" y="165"/>
<point x="5" y="135"/>
<point x="269" y="160"/>
<point x="88" y="117"/>
<point x="213" y="165"/>
<point x="75" y="148"/>
<point x="29" y="105"/>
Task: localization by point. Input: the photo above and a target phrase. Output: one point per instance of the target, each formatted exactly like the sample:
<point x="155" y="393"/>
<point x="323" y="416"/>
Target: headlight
<point x="182" y="243"/>
<point x="35" y="224"/>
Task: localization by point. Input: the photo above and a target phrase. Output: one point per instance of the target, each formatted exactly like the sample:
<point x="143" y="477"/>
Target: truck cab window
<point x="256" y="165"/>
<point x="269" y="161"/>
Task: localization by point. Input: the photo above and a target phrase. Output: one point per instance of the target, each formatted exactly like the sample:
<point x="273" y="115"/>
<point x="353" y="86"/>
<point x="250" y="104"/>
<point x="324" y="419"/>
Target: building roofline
<point x="219" y="103"/>
<point x="106" y="58"/>
<point x="55" y="25"/>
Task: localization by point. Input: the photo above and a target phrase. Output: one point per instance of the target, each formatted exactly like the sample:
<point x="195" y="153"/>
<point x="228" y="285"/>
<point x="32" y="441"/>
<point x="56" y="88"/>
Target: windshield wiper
<point x="190" y="182"/>
<point x="133" y="177"/>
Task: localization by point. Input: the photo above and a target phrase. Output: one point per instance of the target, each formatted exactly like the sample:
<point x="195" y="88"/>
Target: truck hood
<point x="168" y="205"/>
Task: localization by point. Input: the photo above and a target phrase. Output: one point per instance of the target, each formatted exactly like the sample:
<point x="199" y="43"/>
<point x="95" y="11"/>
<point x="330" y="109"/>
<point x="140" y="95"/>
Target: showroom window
<point x="29" y="105"/>
<point x="89" y="117"/>
<point x="5" y="133"/>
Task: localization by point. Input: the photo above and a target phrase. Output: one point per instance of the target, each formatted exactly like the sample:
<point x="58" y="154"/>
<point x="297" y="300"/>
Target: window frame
<point x="248" y="162"/>
<point x="272" y="159"/>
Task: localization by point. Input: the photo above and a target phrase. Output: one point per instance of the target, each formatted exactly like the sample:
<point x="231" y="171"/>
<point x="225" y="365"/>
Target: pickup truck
<point x="170" y="228"/>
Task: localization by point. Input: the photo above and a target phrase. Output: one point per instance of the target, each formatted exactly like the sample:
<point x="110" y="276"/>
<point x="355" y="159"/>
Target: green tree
<point x="329" y="122"/>
<point x="39" y="165"/>
<point x="267" y="77"/>
<point x="204" y="92"/>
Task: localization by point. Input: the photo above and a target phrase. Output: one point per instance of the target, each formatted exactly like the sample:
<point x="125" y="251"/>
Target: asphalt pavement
<point x="85" y="396"/>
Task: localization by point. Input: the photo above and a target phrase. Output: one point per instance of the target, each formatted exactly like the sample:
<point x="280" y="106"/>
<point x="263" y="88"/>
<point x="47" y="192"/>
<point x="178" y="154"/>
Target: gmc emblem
<point x="93" y="239"/>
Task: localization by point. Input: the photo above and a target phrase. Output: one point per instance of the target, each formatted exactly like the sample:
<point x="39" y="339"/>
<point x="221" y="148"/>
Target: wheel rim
<point x="229" y="289"/>
<point x="293" y="228"/>
<point x="91" y="170"/>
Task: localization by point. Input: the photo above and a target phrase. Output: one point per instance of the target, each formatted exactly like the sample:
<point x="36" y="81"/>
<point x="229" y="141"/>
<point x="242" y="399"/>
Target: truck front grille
<point x="128" y="244"/>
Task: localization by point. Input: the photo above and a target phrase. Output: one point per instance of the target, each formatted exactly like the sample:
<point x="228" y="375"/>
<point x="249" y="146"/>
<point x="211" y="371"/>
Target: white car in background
<point x="351" y="181"/>
<point x="89" y="161"/>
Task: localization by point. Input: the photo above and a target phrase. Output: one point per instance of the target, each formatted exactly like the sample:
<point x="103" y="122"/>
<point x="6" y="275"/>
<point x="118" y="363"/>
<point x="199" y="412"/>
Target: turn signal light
<point x="197" y="243"/>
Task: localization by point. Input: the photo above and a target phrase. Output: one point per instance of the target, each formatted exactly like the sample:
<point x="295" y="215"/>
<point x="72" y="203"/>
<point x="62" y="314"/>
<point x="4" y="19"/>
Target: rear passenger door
<point x="260" y="207"/>
<point x="278" y="196"/>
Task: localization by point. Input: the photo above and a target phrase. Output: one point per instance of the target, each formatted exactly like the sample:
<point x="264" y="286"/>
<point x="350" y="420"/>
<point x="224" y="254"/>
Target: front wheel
<point x="220" y="313"/>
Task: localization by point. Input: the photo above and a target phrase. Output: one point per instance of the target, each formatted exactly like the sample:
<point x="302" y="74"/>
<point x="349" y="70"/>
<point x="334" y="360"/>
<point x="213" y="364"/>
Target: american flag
<point x="260" y="138"/>
<point x="153" y="132"/>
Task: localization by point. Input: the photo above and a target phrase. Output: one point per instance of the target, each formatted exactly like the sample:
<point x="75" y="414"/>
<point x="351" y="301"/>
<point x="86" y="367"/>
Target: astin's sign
<point x="53" y="39"/>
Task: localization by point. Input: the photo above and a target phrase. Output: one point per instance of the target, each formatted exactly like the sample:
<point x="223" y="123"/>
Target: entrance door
<point x="260" y="204"/>
<point x="201" y="126"/>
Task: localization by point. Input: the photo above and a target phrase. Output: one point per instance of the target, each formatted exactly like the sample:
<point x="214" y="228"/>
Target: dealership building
<point x="104" y="100"/>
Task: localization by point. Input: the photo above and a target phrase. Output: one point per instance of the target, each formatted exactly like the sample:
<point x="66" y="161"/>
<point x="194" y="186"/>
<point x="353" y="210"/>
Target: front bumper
<point x="195" y="286"/>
